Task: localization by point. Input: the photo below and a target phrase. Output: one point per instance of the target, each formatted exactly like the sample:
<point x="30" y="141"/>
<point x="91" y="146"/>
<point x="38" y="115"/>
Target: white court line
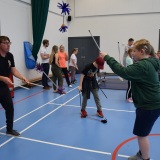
<point x="61" y="145"/>
<point x="39" y="120"/>
<point x="38" y="108"/>
<point x="65" y="146"/>
<point x="108" y="109"/>
<point x="48" y="114"/>
<point x="71" y="147"/>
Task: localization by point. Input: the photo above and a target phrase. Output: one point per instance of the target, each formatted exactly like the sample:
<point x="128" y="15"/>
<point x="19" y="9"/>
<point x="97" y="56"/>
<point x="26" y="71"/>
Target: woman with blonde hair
<point x="56" y="71"/>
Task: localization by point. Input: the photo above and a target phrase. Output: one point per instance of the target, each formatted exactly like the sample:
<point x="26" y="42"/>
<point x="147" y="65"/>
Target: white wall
<point x="16" y="23"/>
<point x="114" y="28"/>
<point x="112" y="7"/>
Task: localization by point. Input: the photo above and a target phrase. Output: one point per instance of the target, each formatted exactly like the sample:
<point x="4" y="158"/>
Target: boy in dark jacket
<point x="88" y="83"/>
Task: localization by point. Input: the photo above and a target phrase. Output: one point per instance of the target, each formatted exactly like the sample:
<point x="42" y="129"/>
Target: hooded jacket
<point x="144" y="80"/>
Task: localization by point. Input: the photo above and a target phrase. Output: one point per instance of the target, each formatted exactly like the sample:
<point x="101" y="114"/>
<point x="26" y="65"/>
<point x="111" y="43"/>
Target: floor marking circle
<point x="124" y="142"/>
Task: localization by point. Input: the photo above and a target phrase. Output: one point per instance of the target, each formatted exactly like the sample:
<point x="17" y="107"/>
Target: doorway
<point x="87" y="50"/>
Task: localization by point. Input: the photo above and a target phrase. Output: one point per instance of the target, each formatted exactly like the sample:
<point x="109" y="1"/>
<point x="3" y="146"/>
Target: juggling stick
<point x="119" y="59"/>
<point x="40" y="69"/>
<point x="119" y="54"/>
<point x="102" y="92"/>
<point x="31" y="84"/>
<point x="99" y="48"/>
<point x="20" y="86"/>
<point x="36" y="84"/>
<point x="60" y="89"/>
<point x="94" y="40"/>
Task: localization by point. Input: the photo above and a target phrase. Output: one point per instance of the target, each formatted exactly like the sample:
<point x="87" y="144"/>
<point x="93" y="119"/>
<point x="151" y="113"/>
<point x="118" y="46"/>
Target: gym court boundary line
<point x="26" y="97"/>
<point x="38" y="120"/>
<point x="38" y="108"/>
<point x="125" y="142"/>
<point x="107" y="109"/>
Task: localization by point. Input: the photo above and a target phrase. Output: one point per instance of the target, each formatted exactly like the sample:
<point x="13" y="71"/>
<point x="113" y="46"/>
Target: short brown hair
<point x="45" y="41"/>
<point x="4" y="38"/>
<point x="75" y="49"/>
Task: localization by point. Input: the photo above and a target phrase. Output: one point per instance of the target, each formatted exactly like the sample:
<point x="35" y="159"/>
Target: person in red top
<point x="63" y="57"/>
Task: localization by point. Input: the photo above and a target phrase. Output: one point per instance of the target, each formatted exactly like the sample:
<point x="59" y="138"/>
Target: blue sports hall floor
<point x="51" y="127"/>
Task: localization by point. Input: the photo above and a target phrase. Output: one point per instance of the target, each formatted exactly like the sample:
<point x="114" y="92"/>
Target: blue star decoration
<point x="65" y="8"/>
<point x="63" y="28"/>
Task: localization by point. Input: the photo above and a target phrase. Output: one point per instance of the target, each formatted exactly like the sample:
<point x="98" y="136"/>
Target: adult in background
<point x="56" y="71"/>
<point x="63" y="57"/>
<point x="7" y="66"/>
<point x="73" y="65"/>
<point x="45" y="63"/>
<point x="129" y="45"/>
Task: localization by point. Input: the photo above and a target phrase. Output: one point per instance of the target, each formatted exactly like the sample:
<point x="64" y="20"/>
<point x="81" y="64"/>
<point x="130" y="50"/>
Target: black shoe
<point x="13" y="133"/>
<point x="46" y="87"/>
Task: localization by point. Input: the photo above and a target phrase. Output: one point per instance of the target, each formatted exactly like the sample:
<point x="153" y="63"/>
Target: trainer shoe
<point x="61" y="92"/>
<point x="70" y="86"/>
<point x="100" y="114"/>
<point x="138" y="156"/>
<point x="83" y="113"/>
<point x="13" y="133"/>
<point x="130" y="100"/>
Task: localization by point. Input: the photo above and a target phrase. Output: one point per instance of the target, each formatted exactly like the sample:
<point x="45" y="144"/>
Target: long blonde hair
<point x="54" y="51"/>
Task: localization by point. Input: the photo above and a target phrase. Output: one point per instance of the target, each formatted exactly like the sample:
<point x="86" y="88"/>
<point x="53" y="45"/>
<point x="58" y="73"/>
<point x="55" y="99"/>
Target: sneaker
<point x="13" y="133"/>
<point x="70" y="86"/>
<point x="100" y="114"/>
<point x="138" y="156"/>
<point x="83" y="113"/>
<point x="130" y="100"/>
<point x="61" y="92"/>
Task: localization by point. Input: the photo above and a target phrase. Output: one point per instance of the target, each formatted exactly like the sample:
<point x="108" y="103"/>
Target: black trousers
<point x="46" y="71"/>
<point x="65" y="72"/>
<point x="129" y="92"/>
<point x="7" y="104"/>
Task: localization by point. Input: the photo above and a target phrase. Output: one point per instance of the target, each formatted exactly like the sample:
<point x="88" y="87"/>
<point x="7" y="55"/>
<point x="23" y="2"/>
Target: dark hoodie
<point x="144" y="80"/>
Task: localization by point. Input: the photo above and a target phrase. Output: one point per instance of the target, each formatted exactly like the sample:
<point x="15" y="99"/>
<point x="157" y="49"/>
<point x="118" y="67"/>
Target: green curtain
<point x="39" y="18"/>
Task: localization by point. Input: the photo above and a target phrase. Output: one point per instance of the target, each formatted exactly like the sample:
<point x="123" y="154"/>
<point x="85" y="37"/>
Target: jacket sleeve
<point x="133" y="72"/>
